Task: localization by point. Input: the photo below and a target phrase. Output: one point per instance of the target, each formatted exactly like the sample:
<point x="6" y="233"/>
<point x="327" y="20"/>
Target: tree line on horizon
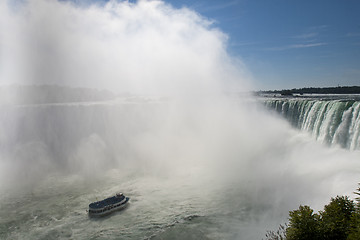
<point x="315" y="90"/>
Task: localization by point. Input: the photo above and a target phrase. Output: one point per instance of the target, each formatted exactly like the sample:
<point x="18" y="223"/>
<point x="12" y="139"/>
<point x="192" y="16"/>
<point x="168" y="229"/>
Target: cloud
<point x="143" y="47"/>
<point x="296" y="46"/>
<point x="353" y="34"/>
<point x="306" y="35"/>
<point x="309" y="39"/>
<point x="220" y="6"/>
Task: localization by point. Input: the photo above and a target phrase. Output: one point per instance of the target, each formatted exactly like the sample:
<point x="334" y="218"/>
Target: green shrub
<point x="336" y="218"/>
<point x="340" y="220"/>
<point x="303" y="224"/>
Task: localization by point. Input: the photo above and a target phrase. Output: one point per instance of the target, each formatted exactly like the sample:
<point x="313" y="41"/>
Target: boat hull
<point x="109" y="209"/>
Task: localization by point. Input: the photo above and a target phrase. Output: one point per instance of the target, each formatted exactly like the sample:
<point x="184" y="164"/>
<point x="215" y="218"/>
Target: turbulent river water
<point x="213" y="170"/>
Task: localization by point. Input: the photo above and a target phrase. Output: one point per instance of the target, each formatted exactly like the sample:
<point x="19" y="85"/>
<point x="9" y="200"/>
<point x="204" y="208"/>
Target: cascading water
<point x="333" y="122"/>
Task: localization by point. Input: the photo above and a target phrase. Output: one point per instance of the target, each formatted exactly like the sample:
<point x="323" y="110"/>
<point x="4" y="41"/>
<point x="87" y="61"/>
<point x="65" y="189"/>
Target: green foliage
<point x="303" y="224"/>
<point x="340" y="220"/>
<point x="354" y="233"/>
<point x="355" y="220"/>
<point x="336" y="218"/>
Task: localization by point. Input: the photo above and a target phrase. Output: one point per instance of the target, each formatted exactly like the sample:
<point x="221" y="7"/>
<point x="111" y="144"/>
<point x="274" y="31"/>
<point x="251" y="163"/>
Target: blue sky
<point x="288" y="43"/>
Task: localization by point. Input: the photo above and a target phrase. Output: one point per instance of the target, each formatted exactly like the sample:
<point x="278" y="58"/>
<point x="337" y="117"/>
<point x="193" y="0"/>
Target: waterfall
<point x="333" y="122"/>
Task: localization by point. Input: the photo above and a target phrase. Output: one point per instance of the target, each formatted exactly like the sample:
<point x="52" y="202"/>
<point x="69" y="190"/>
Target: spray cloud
<point x="150" y="47"/>
<point x="143" y="47"/>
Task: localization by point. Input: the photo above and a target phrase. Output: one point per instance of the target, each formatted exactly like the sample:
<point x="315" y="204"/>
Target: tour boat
<point x="108" y="205"/>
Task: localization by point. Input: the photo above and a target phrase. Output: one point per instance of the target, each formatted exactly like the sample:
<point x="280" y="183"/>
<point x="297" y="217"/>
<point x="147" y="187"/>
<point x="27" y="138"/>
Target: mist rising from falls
<point x="227" y="140"/>
<point x="192" y="151"/>
<point x="147" y="47"/>
<point x="228" y="160"/>
<point x="334" y="122"/>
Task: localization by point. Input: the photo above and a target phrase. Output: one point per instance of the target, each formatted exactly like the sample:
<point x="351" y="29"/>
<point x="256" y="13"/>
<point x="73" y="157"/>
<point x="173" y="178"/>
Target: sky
<point x="277" y="44"/>
<point x="290" y="44"/>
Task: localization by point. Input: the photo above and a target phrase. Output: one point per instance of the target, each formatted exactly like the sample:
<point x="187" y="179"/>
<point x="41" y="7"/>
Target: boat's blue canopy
<point x="106" y="202"/>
